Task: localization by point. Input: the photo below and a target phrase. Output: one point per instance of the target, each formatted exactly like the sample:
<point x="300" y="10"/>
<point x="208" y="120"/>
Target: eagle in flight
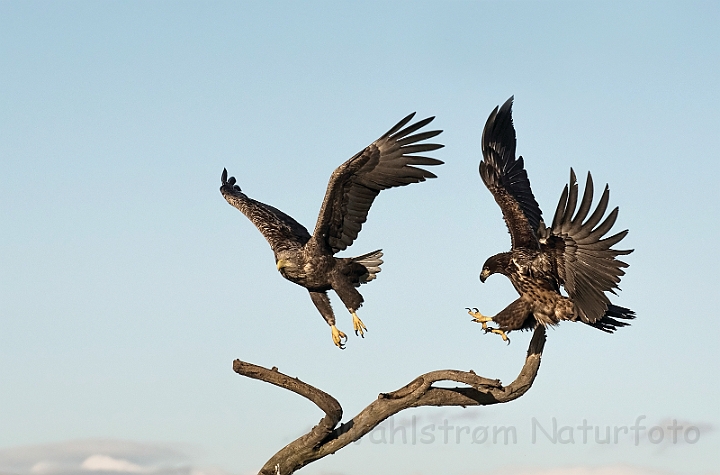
<point x="309" y="260"/>
<point x="572" y="252"/>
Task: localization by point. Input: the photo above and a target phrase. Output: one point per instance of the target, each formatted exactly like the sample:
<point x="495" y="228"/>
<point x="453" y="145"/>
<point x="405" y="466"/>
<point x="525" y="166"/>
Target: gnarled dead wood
<point x="327" y="437"/>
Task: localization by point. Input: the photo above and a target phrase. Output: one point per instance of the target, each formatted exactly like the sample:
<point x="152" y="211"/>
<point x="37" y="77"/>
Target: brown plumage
<point x="308" y="260"/>
<point x="571" y="253"/>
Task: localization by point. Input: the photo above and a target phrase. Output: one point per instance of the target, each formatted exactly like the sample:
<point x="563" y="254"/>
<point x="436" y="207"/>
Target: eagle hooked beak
<point x="484" y="275"/>
<point x="282" y="263"/>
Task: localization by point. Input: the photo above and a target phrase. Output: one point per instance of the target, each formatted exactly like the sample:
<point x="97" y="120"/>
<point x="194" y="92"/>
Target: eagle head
<point x="289" y="266"/>
<point x="283" y="264"/>
<point x="495" y="264"/>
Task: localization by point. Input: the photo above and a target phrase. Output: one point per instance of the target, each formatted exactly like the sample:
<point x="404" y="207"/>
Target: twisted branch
<point x="327" y="437"/>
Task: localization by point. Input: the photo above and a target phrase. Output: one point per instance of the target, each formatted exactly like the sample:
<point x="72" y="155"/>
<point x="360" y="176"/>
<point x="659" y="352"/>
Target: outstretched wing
<point x="388" y="162"/>
<point x="507" y="179"/>
<point x="280" y="230"/>
<point x="586" y="262"/>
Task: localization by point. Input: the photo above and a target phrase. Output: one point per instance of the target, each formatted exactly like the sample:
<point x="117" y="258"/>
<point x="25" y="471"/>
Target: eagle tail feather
<point x="609" y="323"/>
<point x="372" y="262"/>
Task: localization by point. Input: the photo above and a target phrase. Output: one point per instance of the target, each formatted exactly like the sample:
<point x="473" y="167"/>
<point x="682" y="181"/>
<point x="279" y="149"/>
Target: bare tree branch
<point x="327" y="437"/>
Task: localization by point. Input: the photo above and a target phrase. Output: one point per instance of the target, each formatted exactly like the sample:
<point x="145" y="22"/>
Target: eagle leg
<point x="338" y="337"/>
<point x="359" y="326"/>
<point x="479" y="318"/>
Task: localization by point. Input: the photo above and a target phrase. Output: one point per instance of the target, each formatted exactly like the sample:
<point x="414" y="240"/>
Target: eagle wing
<point x="388" y="162"/>
<point x="507" y="180"/>
<point x="586" y="262"/>
<point x="280" y="230"/>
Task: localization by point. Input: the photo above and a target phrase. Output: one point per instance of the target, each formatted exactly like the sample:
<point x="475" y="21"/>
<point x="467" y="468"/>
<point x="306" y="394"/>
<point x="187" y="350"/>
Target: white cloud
<point x="100" y="457"/>
<point x="104" y="463"/>
<point x="43" y="467"/>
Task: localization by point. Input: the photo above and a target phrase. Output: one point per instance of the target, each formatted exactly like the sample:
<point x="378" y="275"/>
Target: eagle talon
<point x="499" y="332"/>
<point x="358" y="325"/>
<point x="337" y="337"/>
<point x="479" y="318"/>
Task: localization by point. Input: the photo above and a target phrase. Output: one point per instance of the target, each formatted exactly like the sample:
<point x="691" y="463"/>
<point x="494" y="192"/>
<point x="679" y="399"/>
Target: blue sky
<point x="128" y="285"/>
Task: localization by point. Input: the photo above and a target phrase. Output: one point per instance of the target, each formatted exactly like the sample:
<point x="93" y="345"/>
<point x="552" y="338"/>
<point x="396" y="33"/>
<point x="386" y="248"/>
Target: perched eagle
<point x="308" y="260"/>
<point x="572" y="253"/>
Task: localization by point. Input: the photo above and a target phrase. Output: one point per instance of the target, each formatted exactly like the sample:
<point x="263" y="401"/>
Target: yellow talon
<point x="479" y="317"/>
<point x="499" y="332"/>
<point x="338" y="337"/>
<point x="359" y="326"/>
